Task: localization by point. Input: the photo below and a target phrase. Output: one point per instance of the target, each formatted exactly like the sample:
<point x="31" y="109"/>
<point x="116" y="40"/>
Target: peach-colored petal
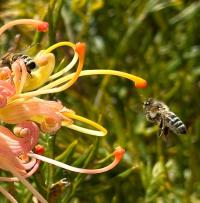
<point x="39" y="25"/>
<point x="5" y="73"/>
<point x="51" y="124"/>
<point x="6" y="91"/>
<point x="13" y="145"/>
<point x="11" y="168"/>
<point x="8" y="195"/>
<point x="19" y="71"/>
<point x="32" y="109"/>
<point x="118" y="153"/>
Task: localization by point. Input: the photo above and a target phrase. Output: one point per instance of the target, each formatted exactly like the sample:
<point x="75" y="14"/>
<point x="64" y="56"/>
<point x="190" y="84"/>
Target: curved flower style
<point x="17" y="157"/>
<point x="18" y="90"/>
<point x="51" y="115"/>
<point x="13" y="155"/>
<point x="19" y="104"/>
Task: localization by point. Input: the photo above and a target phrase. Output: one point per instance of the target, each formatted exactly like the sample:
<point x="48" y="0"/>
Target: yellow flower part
<point x="42" y="81"/>
<point x="43" y="73"/>
<point x="19" y="89"/>
<point x="46" y="64"/>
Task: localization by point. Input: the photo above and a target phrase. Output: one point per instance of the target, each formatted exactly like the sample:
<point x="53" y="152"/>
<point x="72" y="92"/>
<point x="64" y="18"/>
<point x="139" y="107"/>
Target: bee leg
<point x="160" y="132"/>
<point x="17" y="40"/>
<point x="7" y="64"/>
<point x="29" y="71"/>
<point x="163" y="132"/>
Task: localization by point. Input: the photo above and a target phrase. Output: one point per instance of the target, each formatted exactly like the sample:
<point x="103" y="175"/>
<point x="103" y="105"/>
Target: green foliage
<point x="157" y="40"/>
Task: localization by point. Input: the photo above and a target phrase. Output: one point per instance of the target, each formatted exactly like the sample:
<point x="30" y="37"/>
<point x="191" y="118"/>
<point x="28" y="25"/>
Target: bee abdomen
<point x="182" y="129"/>
<point x="176" y="124"/>
<point x="28" y="61"/>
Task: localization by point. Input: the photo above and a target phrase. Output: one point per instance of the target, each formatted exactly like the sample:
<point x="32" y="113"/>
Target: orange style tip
<point x="141" y="84"/>
<point x="43" y="27"/>
<point x="39" y="149"/>
<point x="80" y="48"/>
<point x="119" y="153"/>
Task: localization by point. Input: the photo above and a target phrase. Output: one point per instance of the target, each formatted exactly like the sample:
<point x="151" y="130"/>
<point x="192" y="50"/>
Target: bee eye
<point x="14" y="58"/>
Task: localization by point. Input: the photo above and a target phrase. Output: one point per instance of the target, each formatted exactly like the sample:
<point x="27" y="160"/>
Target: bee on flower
<point x="23" y="91"/>
<point x="21" y="105"/>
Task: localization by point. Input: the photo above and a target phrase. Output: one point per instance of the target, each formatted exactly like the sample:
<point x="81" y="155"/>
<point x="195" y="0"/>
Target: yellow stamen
<point x="102" y="131"/>
<point x="46" y="63"/>
<point x="137" y="80"/>
<point x="70" y="65"/>
<point x="66" y="69"/>
<point x="80" y="50"/>
<point x="59" y="44"/>
<point x="43" y="73"/>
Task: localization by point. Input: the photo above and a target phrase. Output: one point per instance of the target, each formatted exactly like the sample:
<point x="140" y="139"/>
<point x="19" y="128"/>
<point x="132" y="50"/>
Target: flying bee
<point x="159" y="113"/>
<point x="9" y="58"/>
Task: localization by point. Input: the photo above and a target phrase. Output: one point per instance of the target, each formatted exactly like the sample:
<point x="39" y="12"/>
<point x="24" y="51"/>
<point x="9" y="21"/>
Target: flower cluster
<point x="21" y="106"/>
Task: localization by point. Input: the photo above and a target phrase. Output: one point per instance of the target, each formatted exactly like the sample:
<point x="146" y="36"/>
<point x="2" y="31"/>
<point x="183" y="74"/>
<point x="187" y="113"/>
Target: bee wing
<point x="137" y="108"/>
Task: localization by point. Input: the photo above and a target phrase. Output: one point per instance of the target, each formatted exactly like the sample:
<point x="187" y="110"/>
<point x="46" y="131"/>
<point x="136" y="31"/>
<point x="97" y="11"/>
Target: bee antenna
<point x="30" y="46"/>
<point x="141" y="96"/>
<point x="6" y="55"/>
<point x="34" y="44"/>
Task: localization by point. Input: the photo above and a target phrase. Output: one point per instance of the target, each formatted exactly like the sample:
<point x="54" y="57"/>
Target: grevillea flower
<point x="17" y="156"/>
<point x="19" y="90"/>
<point x="51" y="114"/>
<point x="20" y="104"/>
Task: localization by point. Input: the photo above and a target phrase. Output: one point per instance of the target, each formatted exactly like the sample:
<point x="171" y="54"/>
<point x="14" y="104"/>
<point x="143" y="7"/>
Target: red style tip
<point x="141" y="84"/>
<point x="80" y="48"/>
<point x="119" y="153"/>
<point x="43" y="27"/>
<point x="39" y="149"/>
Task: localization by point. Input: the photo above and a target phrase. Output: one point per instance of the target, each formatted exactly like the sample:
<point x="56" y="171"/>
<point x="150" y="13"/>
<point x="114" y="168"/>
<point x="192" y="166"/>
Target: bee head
<point x="148" y="103"/>
<point x="5" y="60"/>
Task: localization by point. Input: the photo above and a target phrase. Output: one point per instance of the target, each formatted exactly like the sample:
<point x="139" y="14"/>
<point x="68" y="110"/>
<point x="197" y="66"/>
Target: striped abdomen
<point x="28" y="61"/>
<point x="174" y="123"/>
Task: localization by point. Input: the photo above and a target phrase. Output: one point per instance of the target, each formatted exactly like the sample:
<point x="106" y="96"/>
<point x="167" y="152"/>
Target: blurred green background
<point x="154" y="39"/>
